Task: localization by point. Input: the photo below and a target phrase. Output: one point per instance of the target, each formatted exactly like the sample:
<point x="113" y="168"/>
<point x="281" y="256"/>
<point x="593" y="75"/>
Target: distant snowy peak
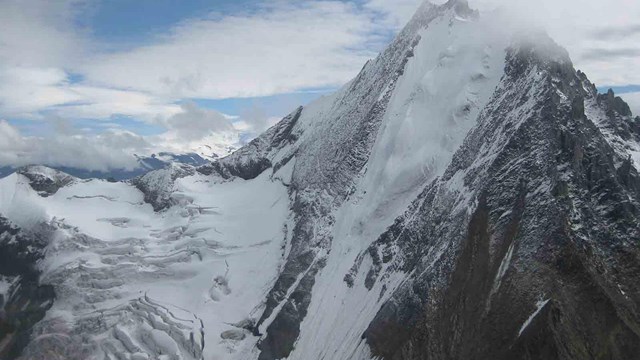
<point x="145" y="164"/>
<point x="209" y="153"/>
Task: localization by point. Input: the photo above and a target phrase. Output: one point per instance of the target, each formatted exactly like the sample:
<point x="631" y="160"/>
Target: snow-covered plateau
<point x="469" y="195"/>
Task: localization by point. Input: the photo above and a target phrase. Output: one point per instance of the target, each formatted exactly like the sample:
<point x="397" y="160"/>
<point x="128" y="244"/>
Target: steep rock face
<point x="257" y="156"/>
<point x="614" y="119"/>
<point x="517" y="221"/>
<point x="542" y="265"/>
<point x="334" y="144"/>
<point x="23" y="301"/>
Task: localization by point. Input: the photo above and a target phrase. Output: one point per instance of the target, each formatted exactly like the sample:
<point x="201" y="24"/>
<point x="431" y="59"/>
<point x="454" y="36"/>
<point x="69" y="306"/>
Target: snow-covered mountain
<point x="469" y="195"/>
<point x="145" y="164"/>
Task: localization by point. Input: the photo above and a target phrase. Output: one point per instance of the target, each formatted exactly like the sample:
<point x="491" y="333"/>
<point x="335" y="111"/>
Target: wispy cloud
<point x="277" y="47"/>
<point x="616" y="32"/>
<point x="609" y="55"/>
<point x="109" y="150"/>
<point x="281" y="47"/>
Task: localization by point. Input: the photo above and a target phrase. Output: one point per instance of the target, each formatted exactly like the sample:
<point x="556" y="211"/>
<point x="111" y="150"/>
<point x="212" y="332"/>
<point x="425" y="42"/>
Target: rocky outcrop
<point x="542" y="266"/>
<point x="26" y="300"/>
<point x="44" y="180"/>
<point x="158" y="186"/>
<point x="253" y="159"/>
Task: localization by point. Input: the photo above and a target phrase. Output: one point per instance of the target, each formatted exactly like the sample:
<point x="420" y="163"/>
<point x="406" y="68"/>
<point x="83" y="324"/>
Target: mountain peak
<point x="46" y="181"/>
<point x="429" y="11"/>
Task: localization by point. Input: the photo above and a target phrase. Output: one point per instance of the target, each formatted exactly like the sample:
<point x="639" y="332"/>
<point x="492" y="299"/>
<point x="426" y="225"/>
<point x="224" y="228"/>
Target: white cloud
<point x="40" y="33"/>
<point x="190" y="129"/>
<point x="194" y="123"/>
<point x="24" y="91"/>
<point x="279" y="47"/>
<point x="283" y="47"/>
<point x="102" y="103"/>
<point x="633" y="99"/>
<point x="396" y="12"/>
<point x="204" y="131"/>
<point x="601" y="36"/>
<point x="109" y="150"/>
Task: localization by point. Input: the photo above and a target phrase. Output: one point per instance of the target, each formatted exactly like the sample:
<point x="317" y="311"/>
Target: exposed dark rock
<point x="555" y="225"/>
<point x="158" y="186"/>
<point x="619" y="119"/>
<point x="44" y="180"/>
<point x="614" y="104"/>
<point x="254" y="158"/>
<point x="27" y="300"/>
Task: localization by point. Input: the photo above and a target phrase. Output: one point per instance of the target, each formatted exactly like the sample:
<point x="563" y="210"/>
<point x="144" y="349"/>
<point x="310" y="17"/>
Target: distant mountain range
<point x="146" y="164"/>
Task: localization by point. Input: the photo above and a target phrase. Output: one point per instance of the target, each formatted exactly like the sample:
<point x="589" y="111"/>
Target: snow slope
<point x="418" y="137"/>
<point x="136" y="275"/>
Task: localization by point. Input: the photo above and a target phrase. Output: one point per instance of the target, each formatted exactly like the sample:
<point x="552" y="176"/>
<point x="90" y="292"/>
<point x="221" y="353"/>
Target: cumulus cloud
<point x="278" y="47"/>
<point x="109" y="150"/>
<point x="201" y="130"/>
<point x="194" y="123"/>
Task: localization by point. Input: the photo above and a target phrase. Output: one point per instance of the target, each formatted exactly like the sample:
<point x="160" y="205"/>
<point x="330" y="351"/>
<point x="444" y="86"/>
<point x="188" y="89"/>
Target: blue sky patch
<point x="626" y="89"/>
<point x="274" y="105"/>
<point x="137" y="21"/>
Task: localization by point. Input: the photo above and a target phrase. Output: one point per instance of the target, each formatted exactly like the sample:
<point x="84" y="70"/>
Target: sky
<point x="110" y="78"/>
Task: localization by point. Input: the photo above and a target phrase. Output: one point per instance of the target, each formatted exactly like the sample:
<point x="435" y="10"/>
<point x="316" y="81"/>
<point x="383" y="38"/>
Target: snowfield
<point x="167" y="282"/>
